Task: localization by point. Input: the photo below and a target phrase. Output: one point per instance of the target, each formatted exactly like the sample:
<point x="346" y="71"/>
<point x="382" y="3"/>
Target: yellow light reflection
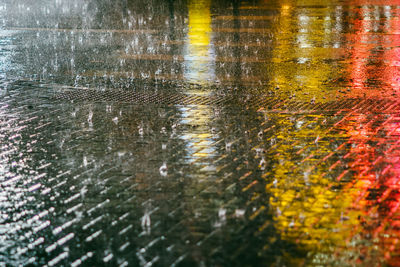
<point x="199" y="70"/>
<point x="198" y="58"/>
<point x="303" y="43"/>
<point x="199" y="23"/>
<point x="306" y="209"/>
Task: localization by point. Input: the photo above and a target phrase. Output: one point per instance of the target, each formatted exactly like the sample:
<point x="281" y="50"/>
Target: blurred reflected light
<point x="200" y="67"/>
<point x="304" y="38"/>
<point x="198" y="58"/>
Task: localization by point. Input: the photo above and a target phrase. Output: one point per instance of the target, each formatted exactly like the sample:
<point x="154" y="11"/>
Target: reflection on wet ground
<point x="211" y="133"/>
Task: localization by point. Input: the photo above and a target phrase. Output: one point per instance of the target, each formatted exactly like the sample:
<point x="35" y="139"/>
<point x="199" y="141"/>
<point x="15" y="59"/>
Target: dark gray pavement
<point x="199" y="133"/>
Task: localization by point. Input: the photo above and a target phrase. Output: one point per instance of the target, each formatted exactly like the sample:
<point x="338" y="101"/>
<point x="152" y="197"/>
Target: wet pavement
<point x="199" y="133"/>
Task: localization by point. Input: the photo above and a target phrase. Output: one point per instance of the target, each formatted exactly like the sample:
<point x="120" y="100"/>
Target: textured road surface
<point x="199" y="133"/>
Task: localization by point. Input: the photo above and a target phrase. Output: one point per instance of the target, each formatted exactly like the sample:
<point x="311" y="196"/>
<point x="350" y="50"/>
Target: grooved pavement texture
<point x="199" y="133"/>
<point x="142" y="183"/>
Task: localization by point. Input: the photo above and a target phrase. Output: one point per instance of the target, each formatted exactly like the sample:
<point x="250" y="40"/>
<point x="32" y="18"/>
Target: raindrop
<point x="260" y="135"/>
<point x="306" y="177"/>
<point x="228" y="146"/>
<point x="164" y="170"/>
<point x="83" y="191"/>
<point x="278" y="212"/>
<point x="263" y="164"/>
<point x="141" y="131"/>
<point x="316" y="140"/>
<point x="299" y="124"/>
<point x="222" y="213"/>
<point x="90" y="121"/>
<point x="259" y="152"/>
<point x="115" y="120"/>
<point x="90" y="117"/>
<point x="239" y="213"/>
<point x="146" y="223"/>
<point x="273" y="141"/>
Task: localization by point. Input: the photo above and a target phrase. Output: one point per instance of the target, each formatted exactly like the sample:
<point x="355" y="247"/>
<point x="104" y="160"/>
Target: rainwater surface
<point x="199" y="133"/>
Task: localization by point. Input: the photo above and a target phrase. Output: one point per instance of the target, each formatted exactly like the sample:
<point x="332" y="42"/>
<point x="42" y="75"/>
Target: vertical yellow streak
<point x="199" y="23"/>
<point x="303" y="44"/>
<point x="307" y="211"/>
<point x="199" y="62"/>
<point x="199" y="70"/>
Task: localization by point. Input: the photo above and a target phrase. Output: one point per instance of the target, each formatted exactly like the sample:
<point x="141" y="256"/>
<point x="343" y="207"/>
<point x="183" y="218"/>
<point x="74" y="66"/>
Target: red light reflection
<point x="375" y="138"/>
